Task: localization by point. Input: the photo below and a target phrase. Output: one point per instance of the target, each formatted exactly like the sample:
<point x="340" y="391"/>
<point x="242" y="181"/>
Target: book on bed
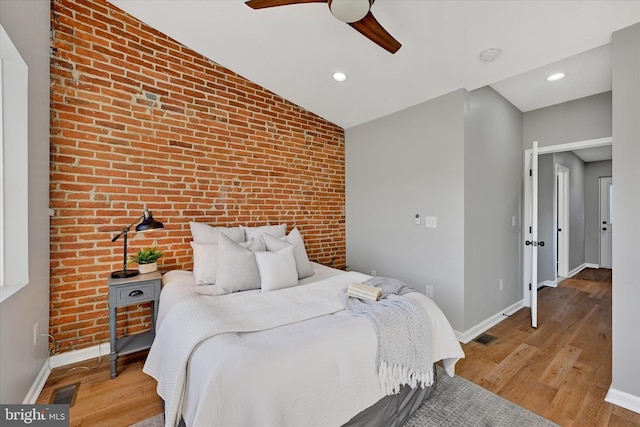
<point x="362" y="291"/>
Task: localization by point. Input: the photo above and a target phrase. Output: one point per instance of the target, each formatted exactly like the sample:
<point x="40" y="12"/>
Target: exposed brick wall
<point x="138" y="120"/>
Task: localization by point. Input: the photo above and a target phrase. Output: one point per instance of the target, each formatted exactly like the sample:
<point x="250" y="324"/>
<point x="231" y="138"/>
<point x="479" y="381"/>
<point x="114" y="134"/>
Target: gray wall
<point x="492" y="188"/>
<point x="27" y="23"/>
<point x="579" y="120"/>
<point x="459" y="158"/>
<point x="399" y="165"/>
<point x="626" y="210"/>
<point x="592" y="173"/>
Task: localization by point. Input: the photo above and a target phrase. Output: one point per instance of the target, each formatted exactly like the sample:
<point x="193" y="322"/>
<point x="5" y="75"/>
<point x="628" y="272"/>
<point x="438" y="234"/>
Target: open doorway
<point x="531" y="225"/>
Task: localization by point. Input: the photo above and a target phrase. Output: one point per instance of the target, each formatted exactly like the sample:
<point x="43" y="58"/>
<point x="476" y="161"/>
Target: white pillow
<point x="237" y="268"/>
<point x="205" y="263"/>
<point x="204" y="233"/>
<point x="277" y="269"/>
<point x="303" y="266"/>
<point x="274" y="230"/>
<point x="256" y="244"/>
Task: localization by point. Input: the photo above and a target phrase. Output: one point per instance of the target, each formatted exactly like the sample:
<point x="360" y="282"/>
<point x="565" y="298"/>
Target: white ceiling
<point x="587" y="73"/>
<point x="293" y="50"/>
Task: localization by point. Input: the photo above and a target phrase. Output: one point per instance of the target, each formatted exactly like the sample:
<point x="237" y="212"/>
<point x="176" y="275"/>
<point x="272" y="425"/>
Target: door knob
<point x="604" y="222"/>
<point x="604" y="228"/>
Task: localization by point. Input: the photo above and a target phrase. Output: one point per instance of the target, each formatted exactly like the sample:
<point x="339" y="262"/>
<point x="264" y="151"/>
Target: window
<point x="14" y="253"/>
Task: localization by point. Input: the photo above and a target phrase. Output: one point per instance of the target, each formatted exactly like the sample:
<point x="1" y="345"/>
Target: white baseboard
<point x="487" y="324"/>
<point x="550" y="283"/>
<point x="38" y="384"/>
<point x="625" y="400"/>
<point x="579" y="268"/>
<point x="63" y="359"/>
<point x="83" y="354"/>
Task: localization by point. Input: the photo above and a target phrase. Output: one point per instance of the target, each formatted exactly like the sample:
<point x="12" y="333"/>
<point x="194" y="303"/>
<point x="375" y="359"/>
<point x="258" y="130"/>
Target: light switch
<point x="431" y="221"/>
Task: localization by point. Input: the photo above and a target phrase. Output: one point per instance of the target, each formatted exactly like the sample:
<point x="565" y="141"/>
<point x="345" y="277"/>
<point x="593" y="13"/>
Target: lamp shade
<point x="148" y="223"/>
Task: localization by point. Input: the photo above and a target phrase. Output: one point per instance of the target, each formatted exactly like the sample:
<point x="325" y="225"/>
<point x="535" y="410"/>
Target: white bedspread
<point x="287" y="358"/>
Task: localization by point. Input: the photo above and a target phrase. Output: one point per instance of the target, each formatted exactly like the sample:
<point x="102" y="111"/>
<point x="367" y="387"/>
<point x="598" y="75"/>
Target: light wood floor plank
<point x="561" y="366"/>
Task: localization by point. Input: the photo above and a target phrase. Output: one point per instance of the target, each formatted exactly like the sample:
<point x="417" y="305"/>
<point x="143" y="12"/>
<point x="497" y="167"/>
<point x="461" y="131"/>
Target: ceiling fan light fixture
<point x="339" y="76"/>
<point x="349" y="10"/>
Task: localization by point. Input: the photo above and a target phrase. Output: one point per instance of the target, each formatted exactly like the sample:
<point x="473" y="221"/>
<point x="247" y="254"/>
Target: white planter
<point x="147" y="268"/>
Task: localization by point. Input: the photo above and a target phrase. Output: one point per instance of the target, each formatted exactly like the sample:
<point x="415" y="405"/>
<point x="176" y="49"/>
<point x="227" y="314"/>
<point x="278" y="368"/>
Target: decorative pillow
<point x="256" y="244"/>
<point x="237" y="268"/>
<point x="274" y="230"/>
<point x="204" y="233"/>
<point x="277" y="269"/>
<point x="205" y="262"/>
<point x="303" y="266"/>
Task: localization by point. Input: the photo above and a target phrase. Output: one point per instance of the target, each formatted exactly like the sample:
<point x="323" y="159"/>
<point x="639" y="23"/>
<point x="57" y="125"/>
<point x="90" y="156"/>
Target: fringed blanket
<point x="404" y="335"/>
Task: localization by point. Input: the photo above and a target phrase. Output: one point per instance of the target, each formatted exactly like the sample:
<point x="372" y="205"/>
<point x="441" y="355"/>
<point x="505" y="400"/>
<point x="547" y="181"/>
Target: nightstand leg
<point x="154" y="316"/>
<point x="113" y="355"/>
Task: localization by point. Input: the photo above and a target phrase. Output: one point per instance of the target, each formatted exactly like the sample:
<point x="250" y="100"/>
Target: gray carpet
<point x="455" y="402"/>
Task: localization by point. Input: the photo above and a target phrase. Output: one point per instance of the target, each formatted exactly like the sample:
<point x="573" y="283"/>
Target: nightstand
<point x="130" y="291"/>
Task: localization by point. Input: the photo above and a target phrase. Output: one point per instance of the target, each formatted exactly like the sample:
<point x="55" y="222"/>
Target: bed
<point x="274" y="355"/>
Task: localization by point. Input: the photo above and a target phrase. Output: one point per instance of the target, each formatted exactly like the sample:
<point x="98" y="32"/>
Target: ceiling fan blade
<point x="371" y="29"/>
<point x="261" y="4"/>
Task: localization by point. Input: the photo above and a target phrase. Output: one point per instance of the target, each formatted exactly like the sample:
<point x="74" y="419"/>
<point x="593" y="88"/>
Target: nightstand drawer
<point x="136" y="293"/>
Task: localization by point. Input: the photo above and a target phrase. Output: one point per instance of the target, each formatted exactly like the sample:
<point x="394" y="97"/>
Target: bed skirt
<point x="394" y="410"/>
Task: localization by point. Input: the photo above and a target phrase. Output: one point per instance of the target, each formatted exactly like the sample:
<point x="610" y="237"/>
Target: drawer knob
<point x="135" y="293"/>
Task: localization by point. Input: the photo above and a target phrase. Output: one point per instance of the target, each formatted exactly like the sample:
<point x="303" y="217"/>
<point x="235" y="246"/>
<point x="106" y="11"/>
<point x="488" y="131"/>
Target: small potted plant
<point x="147" y="259"/>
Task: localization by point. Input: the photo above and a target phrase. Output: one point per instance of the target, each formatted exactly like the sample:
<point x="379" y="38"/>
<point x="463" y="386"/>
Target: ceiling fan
<point x="356" y="13"/>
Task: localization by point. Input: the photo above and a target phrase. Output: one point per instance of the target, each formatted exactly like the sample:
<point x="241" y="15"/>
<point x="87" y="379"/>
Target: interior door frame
<point x="526" y="213"/>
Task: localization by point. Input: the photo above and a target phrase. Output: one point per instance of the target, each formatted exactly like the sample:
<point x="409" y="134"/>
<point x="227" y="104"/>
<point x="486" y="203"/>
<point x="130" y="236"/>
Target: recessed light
<point x="555" y="77"/>
<point x="339" y="77"/>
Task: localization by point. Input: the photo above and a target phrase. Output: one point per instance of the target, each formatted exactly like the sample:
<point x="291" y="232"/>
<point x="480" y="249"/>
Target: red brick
<point x="151" y="123"/>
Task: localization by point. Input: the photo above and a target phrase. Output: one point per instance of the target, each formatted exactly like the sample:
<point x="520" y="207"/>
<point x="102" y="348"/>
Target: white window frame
<point x="14" y="224"/>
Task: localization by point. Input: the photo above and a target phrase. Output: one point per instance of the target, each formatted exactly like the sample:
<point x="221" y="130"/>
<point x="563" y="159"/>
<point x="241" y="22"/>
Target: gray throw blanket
<point x="404" y="335"/>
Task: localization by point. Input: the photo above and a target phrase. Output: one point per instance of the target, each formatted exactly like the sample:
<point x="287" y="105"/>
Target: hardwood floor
<point x="561" y="370"/>
<point x="101" y="401"/>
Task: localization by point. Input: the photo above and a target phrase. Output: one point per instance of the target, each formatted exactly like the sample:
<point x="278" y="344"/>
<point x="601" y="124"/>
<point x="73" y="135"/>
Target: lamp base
<point x="123" y="274"/>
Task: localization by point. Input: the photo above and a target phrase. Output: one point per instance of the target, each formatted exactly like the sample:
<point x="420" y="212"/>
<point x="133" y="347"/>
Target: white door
<point x="606" y="221"/>
<point x="530" y="265"/>
<point x="562" y="236"/>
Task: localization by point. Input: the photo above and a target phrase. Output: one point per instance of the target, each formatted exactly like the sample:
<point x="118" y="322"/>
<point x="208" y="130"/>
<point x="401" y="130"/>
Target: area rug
<point x="594" y="275"/>
<point x="455" y="402"/>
